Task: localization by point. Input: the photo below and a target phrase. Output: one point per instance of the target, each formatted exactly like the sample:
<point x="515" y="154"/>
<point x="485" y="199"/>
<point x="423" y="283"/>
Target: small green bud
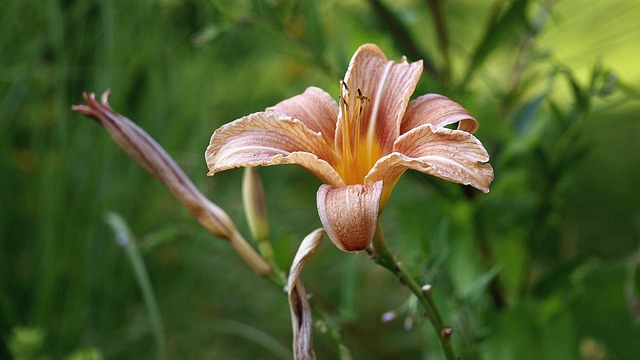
<point x="256" y="210"/>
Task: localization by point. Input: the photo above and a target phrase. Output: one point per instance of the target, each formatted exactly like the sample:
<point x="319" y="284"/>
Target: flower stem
<point x="382" y="256"/>
<point x="249" y="254"/>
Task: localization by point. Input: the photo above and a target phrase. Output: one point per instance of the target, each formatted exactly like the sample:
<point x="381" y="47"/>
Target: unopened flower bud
<point x="153" y="158"/>
<point x="255" y="210"/>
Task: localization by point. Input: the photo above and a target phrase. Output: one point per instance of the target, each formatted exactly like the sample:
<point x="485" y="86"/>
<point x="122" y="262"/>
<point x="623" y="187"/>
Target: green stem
<point x="382" y="256"/>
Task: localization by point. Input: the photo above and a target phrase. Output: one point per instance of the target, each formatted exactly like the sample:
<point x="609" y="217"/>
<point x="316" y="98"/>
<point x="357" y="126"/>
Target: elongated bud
<point x="153" y="158"/>
<point x="255" y="210"/>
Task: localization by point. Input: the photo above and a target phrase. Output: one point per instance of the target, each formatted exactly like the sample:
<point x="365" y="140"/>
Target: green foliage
<point x="543" y="267"/>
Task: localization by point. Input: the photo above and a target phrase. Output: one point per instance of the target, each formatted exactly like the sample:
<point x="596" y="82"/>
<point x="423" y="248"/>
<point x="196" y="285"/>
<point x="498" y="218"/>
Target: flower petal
<point x="298" y="304"/>
<point x="349" y="214"/>
<point x="315" y="108"/>
<point x="452" y="155"/>
<point x="439" y="111"/>
<point x="271" y="138"/>
<point x="388" y="85"/>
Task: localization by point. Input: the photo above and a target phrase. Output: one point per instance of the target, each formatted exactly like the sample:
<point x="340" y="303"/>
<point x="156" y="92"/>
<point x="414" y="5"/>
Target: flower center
<point x="359" y="149"/>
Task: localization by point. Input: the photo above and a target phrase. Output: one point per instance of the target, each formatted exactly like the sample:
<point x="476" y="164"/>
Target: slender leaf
<point x="512" y="22"/>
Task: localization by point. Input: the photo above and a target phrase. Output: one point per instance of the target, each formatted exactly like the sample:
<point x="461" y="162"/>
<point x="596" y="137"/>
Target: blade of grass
<point x="315" y="28"/>
<point x="252" y="334"/>
<point x="512" y="21"/>
<point x="443" y="40"/>
<point x="124" y="239"/>
<point x="51" y="185"/>
<point x="403" y="38"/>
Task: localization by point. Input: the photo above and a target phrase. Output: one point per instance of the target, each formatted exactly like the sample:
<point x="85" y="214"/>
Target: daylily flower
<point x="361" y="145"/>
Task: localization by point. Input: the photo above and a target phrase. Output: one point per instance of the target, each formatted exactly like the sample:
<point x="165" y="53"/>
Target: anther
<point x="344" y="85"/>
<point x="362" y="97"/>
<point x="344" y="94"/>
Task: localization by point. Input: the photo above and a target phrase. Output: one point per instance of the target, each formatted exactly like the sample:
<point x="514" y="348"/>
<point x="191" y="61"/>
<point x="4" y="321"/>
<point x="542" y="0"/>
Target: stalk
<point x="385" y="258"/>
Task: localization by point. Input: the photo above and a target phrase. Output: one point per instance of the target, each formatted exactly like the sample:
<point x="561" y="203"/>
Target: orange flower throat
<point x="360" y="150"/>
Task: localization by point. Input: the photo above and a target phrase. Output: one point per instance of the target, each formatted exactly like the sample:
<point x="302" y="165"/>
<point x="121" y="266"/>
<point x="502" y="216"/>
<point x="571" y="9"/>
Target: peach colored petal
<point x="301" y="320"/>
<point x="315" y="108"/>
<point x="389" y="170"/>
<point x="349" y="214"/>
<point x="439" y="111"/>
<point x="388" y="85"/>
<point x="452" y="155"/>
<point x="270" y="138"/>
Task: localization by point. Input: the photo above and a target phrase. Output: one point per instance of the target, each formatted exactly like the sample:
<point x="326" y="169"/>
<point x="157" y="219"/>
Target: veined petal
<point x="349" y="214"/>
<point x="315" y="108"/>
<point x="388" y="170"/>
<point x="270" y="138"/>
<point x="298" y="303"/>
<point x="388" y="85"/>
<point x="452" y="155"/>
<point x="439" y="111"/>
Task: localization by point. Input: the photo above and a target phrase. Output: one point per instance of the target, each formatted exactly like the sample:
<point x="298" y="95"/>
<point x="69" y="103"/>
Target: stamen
<point x="360" y="99"/>
<point x="355" y="159"/>
<point x="346" y="136"/>
<point x="344" y="89"/>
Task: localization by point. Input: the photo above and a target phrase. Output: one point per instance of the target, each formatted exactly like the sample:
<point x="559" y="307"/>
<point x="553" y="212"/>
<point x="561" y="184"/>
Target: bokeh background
<point x="546" y="266"/>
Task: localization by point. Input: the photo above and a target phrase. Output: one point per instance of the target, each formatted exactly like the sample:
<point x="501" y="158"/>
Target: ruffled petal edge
<point x="453" y="155"/>
<point x="315" y="108"/>
<point x="439" y="111"/>
<point x="388" y="84"/>
<point x="271" y="138"/>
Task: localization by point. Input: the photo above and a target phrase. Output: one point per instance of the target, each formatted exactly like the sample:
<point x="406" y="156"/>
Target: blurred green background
<point x="546" y="266"/>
